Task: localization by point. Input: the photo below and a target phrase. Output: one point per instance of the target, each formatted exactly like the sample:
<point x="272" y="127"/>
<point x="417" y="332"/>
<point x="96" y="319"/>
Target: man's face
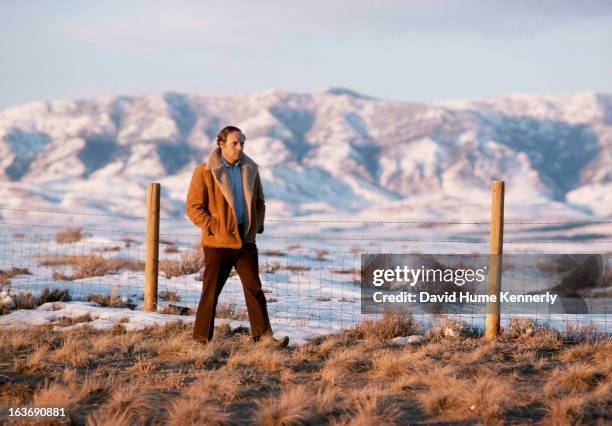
<point x="232" y="147"/>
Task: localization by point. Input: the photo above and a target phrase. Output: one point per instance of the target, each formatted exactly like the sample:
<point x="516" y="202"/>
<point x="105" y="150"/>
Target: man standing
<point x="226" y="201"/>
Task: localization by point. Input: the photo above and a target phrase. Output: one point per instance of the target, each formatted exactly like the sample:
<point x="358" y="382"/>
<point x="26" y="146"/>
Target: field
<point x="104" y="360"/>
<point x="158" y="375"/>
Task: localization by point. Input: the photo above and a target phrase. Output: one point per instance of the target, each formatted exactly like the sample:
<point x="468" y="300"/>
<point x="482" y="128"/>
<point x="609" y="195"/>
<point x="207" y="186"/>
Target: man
<point x="226" y="201"/>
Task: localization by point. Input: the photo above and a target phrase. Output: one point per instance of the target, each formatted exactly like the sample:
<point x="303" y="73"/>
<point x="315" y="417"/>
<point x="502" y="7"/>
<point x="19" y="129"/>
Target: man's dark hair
<point x="222" y="135"/>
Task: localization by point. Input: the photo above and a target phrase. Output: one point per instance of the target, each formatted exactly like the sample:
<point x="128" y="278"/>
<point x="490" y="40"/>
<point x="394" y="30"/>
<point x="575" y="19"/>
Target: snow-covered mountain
<point x="334" y="151"/>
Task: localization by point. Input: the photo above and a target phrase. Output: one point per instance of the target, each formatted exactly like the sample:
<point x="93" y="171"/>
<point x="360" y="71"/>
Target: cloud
<point x="248" y="25"/>
<point x="484" y="17"/>
<point x="164" y="28"/>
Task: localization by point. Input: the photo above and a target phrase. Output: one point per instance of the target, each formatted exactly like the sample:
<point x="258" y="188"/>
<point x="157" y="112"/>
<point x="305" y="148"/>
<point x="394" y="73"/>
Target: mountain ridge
<point x="336" y="149"/>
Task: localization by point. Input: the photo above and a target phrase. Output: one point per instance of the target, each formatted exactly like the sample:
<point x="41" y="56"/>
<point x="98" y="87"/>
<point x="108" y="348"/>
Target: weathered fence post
<point x="152" y="255"/>
<point x="496" y="242"/>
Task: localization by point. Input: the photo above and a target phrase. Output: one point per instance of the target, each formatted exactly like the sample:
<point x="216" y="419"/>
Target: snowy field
<point x="310" y="270"/>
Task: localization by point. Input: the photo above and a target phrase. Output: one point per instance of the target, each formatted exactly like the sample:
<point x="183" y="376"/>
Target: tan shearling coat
<point x="210" y="203"/>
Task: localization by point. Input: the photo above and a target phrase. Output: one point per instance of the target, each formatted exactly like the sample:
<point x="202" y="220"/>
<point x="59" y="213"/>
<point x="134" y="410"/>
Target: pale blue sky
<point x="405" y="50"/>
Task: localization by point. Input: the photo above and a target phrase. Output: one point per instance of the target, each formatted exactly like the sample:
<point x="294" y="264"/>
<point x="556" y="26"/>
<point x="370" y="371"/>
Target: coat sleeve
<point x="260" y="205"/>
<point x="196" y="206"/>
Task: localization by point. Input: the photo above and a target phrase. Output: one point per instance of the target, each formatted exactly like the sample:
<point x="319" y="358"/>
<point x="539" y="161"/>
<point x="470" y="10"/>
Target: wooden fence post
<point x="496" y="242"/>
<point x="152" y="255"/>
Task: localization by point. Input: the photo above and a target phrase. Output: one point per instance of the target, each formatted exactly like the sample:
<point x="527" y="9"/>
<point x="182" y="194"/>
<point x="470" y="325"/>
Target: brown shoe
<point x="269" y="340"/>
<point x="281" y="343"/>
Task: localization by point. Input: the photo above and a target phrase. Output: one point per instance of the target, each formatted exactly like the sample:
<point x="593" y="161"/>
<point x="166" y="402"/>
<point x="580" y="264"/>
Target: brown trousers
<point x="218" y="263"/>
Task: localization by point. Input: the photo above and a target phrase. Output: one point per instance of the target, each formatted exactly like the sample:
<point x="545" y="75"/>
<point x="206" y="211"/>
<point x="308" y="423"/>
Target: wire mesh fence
<point x="557" y="290"/>
<point x="85" y="268"/>
<point x="316" y="286"/>
<point x="302" y="287"/>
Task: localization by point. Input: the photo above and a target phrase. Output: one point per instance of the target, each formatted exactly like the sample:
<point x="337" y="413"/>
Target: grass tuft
<point x="190" y="262"/>
<point x="392" y="324"/>
<point x="70" y="235"/>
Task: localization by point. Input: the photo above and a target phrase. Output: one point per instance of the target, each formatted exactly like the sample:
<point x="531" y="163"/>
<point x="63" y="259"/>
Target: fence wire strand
<point x="293" y="220"/>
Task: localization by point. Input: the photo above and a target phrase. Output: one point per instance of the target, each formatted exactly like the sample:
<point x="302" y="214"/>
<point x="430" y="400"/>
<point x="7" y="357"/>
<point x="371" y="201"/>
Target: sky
<point x="419" y="51"/>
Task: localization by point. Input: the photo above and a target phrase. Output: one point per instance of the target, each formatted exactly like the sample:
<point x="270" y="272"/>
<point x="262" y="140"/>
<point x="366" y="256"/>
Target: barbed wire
<point x="76" y="226"/>
<point x="328" y="238"/>
<point x="439" y="222"/>
<point x="307" y="237"/>
<point x="289" y="220"/>
<point x="302" y="237"/>
<point x="70" y="213"/>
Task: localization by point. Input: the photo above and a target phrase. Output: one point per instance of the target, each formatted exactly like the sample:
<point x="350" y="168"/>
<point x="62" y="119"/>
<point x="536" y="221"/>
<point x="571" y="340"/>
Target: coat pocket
<point x="213" y="225"/>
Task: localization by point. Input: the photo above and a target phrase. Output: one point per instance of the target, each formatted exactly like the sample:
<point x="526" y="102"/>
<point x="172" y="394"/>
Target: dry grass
<point x="171" y="249"/>
<point x="565" y="411"/>
<point x="444" y="326"/>
<point x="229" y="311"/>
<point x="296" y="268"/>
<point x="273" y="253"/>
<point x="109" y="248"/>
<point x="69" y="235"/>
<point x="269" y="267"/>
<point x="159" y="375"/>
<point x="25" y="299"/>
<point x="5" y="276"/>
<point x="34" y="361"/>
<point x="574" y="378"/>
<point x="113" y="300"/>
<point x="68" y="321"/>
<point x="128" y="406"/>
<point x="321" y="254"/>
<point x="197" y="410"/>
<point x="292" y="406"/>
<point x="488" y="397"/>
<point x="190" y="262"/>
<point x="589" y="351"/>
<point x="91" y="265"/>
<point x="352" y="271"/>
<point x="56" y="295"/>
<point x="169" y="296"/>
<point x="371" y="407"/>
<point x="60" y="276"/>
<point x="577" y="333"/>
<point x="442" y="398"/>
<point x="72" y="352"/>
<point x="56" y="395"/>
<point x="223" y="383"/>
<point x="175" y="310"/>
<point x="263" y="357"/>
<point x="392" y="324"/>
<point x="388" y="365"/>
<point x="542" y="341"/>
<point x="520" y="328"/>
<point x="343" y="363"/>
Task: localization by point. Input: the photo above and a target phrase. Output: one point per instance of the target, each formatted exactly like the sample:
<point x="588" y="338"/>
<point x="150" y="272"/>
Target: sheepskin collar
<point x="248" y="170"/>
